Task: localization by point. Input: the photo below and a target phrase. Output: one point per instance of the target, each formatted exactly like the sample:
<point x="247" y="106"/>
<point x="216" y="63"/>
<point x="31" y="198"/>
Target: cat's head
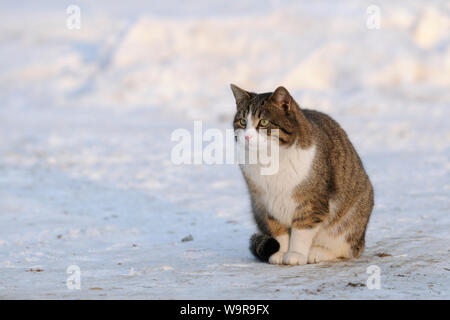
<point x="258" y="115"/>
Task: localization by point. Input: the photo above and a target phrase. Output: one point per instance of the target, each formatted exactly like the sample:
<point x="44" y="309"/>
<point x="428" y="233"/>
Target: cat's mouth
<point x="251" y="145"/>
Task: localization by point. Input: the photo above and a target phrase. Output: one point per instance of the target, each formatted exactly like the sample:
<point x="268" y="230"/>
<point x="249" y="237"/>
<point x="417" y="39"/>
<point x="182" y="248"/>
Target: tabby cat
<point x="317" y="205"/>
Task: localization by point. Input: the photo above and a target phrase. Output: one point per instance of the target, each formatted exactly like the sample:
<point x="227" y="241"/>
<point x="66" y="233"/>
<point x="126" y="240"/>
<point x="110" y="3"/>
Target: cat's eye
<point x="263" y="122"/>
<point x="243" y="122"/>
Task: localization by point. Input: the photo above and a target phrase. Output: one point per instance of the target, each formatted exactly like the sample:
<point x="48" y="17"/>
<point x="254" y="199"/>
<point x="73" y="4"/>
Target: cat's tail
<point x="263" y="246"/>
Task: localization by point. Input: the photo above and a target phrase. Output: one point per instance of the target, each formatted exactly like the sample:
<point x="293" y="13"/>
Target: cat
<point x="316" y="207"/>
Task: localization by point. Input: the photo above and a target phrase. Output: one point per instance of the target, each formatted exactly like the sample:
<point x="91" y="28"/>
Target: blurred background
<point x="180" y="56"/>
<point x="86" y="116"/>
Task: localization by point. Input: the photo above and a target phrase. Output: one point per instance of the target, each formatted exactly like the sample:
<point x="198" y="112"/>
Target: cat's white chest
<point x="277" y="190"/>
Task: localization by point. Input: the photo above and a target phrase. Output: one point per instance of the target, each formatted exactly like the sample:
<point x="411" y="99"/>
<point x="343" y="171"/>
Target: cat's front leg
<point x="277" y="257"/>
<point x="299" y="244"/>
<point x="305" y="225"/>
<point x="281" y="233"/>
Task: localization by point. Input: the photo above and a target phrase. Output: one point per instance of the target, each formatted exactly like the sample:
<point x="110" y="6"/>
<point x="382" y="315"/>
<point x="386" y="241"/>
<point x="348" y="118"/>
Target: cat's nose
<point x="247" y="137"/>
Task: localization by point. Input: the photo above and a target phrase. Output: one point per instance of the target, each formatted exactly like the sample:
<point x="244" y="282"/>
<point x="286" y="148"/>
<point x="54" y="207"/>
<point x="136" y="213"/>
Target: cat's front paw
<point x="277" y="258"/>
<point x="294" y="259"/>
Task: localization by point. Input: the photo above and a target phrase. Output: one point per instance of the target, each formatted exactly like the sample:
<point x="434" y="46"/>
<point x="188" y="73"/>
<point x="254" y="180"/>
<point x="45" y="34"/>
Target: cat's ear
<point x="282" y="99"/>
<point x="239" y="94"/>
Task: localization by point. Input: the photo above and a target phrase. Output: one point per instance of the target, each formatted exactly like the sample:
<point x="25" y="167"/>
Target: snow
<point x="86" y="118"/>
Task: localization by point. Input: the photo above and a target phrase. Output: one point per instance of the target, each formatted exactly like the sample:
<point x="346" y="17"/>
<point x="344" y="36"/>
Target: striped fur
<point x="321" y="197"/>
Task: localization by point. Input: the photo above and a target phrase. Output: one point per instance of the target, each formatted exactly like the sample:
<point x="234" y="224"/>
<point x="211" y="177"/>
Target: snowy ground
<point x="85" y="123"/>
